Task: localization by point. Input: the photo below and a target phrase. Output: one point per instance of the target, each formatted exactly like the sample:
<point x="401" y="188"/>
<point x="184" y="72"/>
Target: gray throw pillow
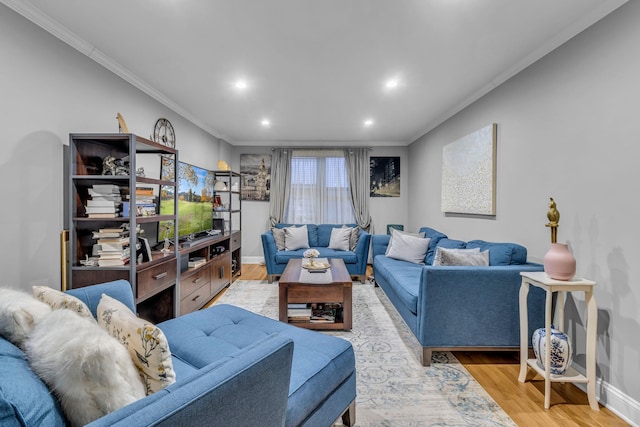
<point x="278" y="236"/>
<point x="296" y="238"/>
<point x="406" y="233"/>
<point x="465" y="257"/>
<point x="355" y="237"/>
<point x="408" y="248"/>
<point x="340" y="239"/>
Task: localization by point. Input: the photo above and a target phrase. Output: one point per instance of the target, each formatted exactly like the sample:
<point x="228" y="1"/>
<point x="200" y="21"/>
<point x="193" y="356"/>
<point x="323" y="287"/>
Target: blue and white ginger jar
<point x="560" y="349"/>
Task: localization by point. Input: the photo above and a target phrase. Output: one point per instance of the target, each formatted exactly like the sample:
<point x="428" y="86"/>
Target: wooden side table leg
<point x="524" y="330"/>
<point x="347" y="308"/>
<point x="547" y="354"/>
<point x="592" y="326"/>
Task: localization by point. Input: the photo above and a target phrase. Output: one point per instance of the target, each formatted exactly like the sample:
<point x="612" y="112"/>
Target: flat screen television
<point x="195" y="200"/>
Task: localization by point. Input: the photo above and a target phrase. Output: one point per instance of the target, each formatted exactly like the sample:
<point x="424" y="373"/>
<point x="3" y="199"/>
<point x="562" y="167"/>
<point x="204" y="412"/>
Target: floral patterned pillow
<point x="58" y="300"/>
<point x="147" y="345"/>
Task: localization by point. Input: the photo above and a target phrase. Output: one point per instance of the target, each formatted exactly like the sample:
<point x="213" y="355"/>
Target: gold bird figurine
<point x="554" y="218"/>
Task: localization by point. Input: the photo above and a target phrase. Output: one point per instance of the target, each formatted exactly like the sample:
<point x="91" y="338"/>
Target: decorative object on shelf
<point x="122" y="125"/>
<point x="140" y="172"/>
<point x="561" y="352"/>
<point x="166" y="247"/>
<point x="163" y="133"/>
<point x="219" y="186"/>
<point x="223" y="166"/>
<point x="311" y="254"/>
<point x="559" y="262"/>
<point x="113" y="166"/>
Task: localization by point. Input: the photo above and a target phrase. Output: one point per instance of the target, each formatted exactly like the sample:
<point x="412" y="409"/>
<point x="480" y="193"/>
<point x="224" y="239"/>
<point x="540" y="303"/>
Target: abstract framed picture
<point x="384" y="177"/>
<point x="469" y="173"/>
<point x="256" y="177"/>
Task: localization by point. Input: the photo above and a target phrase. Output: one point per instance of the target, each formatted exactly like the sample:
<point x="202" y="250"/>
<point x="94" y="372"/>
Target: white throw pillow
<point x="410" y="248"/>
<point x="90" y="372"/>
<point x="145" y="342"/>
<point x="339" y="239"/>
<point x="465" y="257"/>
<point x="296" y="238"/>
<point x="19" y="314"/>
<point x="278" y="237"/>
<point x="58" y="300"/>
<point x="355" y="237"/>
<point x="406" y="233"/>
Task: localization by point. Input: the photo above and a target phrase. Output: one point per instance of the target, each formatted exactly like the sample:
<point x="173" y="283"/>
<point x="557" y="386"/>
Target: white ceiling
<point x="315" y="68"/>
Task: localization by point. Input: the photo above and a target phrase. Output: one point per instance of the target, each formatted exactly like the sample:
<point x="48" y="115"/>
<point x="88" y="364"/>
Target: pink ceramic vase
<point x="559" y="262"/>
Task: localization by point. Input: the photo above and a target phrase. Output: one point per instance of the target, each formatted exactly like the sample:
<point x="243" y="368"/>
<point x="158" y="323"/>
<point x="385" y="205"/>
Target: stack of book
<point x="197" y="261"/>
<point x="145" y="201"/>
<point x="105" y="202"/>
<point x="299" y="313"/>
<point x="112" y="246"/>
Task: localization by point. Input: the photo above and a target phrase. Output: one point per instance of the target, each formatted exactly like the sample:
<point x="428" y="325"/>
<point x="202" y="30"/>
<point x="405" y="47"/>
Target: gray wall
<point x="255" y="215"/>
<point x="49" y="90"/>
<point x="568" y="128"/>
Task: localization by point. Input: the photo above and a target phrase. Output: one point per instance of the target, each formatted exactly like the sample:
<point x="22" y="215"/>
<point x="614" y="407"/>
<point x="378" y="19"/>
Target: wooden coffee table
<point x="338" y="290"/>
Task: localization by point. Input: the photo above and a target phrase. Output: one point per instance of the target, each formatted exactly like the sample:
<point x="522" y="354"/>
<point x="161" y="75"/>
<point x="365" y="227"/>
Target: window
<point x="319" y="191"/>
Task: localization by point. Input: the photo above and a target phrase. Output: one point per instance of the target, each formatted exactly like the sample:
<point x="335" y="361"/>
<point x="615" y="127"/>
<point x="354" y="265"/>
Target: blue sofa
<point x="233" y="367"/>
<point x="319" y="235"/>
<point x="460" y="307"/>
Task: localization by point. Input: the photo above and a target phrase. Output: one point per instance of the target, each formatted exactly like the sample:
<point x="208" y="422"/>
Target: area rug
<point x="393" y="388"/>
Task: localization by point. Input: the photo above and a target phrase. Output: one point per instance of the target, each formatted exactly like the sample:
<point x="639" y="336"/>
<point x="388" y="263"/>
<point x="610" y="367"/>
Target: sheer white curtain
<point x="319" y="191"/>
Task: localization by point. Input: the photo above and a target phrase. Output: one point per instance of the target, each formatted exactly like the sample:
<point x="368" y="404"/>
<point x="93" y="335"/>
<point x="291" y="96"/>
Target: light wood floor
<point x="498" y="373"/>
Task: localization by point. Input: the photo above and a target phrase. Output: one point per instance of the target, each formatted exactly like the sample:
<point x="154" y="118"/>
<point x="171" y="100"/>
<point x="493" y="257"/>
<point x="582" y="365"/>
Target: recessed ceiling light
<point x="368" y="122"/>
<point x="240" y="84"/>
<point x="265" y="122"/>
<point x="391" y="83"/>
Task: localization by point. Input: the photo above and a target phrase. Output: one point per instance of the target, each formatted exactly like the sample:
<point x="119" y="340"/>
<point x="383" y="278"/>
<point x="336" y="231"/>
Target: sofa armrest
<point x="485" y="300"/>
<point x="118" y="289"/>
<point x="250" y="389"/>
<point x="362" y="251"/>
<point x="269" y="251"/>
<point x="379" y="243"/>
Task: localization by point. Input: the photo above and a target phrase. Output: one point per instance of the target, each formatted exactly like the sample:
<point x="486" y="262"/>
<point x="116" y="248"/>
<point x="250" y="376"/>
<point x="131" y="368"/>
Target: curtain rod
<point x="321" y="148"/>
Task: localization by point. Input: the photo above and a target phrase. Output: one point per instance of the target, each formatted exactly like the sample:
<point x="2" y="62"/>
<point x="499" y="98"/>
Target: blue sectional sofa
<point x="319" y="235"/>
<point x="233" y="367"/>
<point x="460" y="307"/>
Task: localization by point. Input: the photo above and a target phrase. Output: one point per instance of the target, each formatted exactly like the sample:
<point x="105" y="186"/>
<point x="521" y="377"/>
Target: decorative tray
<point x="317" y="266"/>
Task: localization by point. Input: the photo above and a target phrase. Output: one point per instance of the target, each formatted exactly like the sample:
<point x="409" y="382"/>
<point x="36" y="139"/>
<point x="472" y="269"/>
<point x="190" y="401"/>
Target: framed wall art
<point x="469" y="173"/>
<point x="384" y="177"/>
<point x="256" y="176"/>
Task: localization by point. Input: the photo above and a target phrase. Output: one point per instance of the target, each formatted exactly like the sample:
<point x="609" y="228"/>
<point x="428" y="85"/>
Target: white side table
<point x="541" y="280"/>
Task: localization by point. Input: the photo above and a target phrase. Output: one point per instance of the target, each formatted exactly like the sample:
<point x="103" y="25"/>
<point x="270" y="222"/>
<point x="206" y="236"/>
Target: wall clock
<point x="163" y="133"/>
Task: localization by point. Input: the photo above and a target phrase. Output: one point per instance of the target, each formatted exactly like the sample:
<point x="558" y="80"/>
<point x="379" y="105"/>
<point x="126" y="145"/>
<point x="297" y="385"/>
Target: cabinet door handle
<point x="222" y="272"/>
<point x="160" y="276"/>
<point x="197" y="280"/>
<point x="195" y="298"/>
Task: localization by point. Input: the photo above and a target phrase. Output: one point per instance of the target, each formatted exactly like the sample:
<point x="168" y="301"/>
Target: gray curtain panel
<point x="280" y="183"/>
<point x="357" y="161"/>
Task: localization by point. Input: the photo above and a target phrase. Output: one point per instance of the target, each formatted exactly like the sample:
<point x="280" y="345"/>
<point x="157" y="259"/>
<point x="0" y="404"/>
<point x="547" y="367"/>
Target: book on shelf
<point x="101" y="209"/>
<point x="112" y="262"/>
<point x="118" y="254"/>
<point x="144" y="191"/>
<point x="297" y="305"/>
<point x="142" y="200"/>
<point x="106" y="188"/>
<point x="106" y="233"/>
<point x="105" y="203"/>
<point x="104" y="197"/>
<point x="197" y="262"/>
<point x="299" y="314"/>
<point x="147" y="209"/>
<point x="103" y="215"/>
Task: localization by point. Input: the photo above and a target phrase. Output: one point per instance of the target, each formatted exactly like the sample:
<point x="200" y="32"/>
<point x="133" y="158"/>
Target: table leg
<point x="283" y="304"/>
<point x="347" y="314"/>
<point x="592" y="326"/>
<point x="524" y="331"/>
<point x="547" y="352"/>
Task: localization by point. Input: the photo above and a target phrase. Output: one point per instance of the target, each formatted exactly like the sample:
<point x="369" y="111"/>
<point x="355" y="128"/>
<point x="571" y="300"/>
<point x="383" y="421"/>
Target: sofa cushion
<point x="340" y="238"/>
<point x="296" y="238"/>
<point x="59" y="300"/>
<point x="146" y="344"/>
<point x="25" y="400"/>
<point x="435" y="237"/>
<point x="501" y="253"/>
<point x="320" y="362"/>
<point x="278" y="238"/>
<point x="405" y="277"/>
<point x="348" y="257"/>
<point x="312" y="231"/>
<point x="324" y="233"/>
<point x="407" y="247"/>
<point x="462" y="257"/>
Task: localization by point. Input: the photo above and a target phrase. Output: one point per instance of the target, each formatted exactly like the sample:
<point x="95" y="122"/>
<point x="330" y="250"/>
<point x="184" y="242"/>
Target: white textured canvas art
<point x="469" y="173"/>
